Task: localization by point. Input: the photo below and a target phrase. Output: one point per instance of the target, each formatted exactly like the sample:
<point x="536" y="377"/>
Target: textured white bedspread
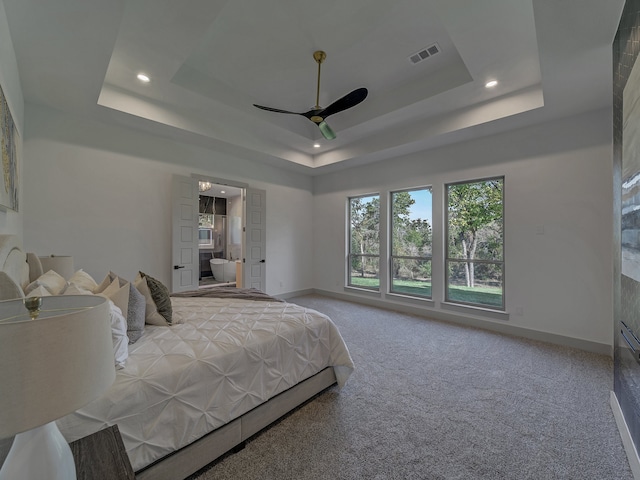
<point x="225" y="358"/>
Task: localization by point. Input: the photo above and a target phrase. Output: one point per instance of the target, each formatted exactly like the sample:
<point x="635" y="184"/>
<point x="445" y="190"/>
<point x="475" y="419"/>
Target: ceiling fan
<point x="318" y="114"/>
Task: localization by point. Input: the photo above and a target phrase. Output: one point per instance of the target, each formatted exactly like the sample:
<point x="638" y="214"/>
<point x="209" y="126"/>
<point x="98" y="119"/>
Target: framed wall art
<point x="9" y="150"/>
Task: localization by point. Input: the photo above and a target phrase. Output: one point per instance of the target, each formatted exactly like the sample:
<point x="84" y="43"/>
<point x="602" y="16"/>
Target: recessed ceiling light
<point x="222" y="191"/>
<point x="143" y="78"/>
<point x="316" y="145"/>
<point x="490" y="84"/>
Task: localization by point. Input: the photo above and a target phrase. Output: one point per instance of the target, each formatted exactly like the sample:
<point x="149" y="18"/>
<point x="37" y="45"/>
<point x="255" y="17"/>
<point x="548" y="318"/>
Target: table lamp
<point x="53" y="361"/>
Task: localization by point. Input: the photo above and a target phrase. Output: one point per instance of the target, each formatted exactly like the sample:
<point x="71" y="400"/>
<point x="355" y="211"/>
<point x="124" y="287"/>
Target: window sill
<point x="366" y="291"/>
<point x="409" y="299"/>
<point x="477" y="311"/>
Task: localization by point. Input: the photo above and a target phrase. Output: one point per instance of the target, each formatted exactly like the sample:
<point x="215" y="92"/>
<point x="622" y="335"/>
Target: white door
<point x="255" y="272"/>
<point x="184" y="255"/>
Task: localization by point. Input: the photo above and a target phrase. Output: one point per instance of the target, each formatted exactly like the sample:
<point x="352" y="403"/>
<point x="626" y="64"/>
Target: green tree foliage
<point x="475" y="224"/>
<point x="365" y="230"/>
<point x="409" y="238"/>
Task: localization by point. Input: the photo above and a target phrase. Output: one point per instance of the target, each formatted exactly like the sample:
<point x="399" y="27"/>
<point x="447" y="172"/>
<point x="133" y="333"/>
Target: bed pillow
<point x="52" y="281"/>
<point x="160" y="295"/>
<point x="119" y="336"/>
<point x="135" y="314"/>
<point x="73" y="289"/>
<point x="9" y="289"/>
<point x="103" y="285"/>
<point x="83" y="280"/>
<point x="39" y="291"/>
<point x="151" y="316"/>
<point x="135" y="309"/>
<point x="119" y="295"/>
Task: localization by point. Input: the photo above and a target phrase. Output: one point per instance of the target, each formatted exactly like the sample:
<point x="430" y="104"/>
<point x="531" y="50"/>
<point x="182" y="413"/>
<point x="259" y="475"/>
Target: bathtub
<point x="223" y="270"/>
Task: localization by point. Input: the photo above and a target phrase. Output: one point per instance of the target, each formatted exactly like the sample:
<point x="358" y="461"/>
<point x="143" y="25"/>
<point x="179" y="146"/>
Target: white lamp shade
<point x="55" y="364"/>
<point x="61" y="264"/>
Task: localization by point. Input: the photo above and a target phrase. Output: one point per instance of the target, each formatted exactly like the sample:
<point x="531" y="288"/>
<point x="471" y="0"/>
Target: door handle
<point x="178" y="267"/>
<point x="262" y="261"/>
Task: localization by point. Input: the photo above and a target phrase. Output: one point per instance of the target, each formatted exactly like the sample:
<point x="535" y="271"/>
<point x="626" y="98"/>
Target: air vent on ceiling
<point x="425" y="53"/>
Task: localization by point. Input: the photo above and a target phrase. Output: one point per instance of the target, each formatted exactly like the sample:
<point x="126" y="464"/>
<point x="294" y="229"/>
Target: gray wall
<point x="103" y="194"/>
<point x="557" y="177"/>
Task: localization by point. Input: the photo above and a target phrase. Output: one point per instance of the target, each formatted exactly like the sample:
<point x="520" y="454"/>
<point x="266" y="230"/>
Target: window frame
<point x="391" y="256"/>
<point x="351" y="254"/>
<point x="448" y="259"/>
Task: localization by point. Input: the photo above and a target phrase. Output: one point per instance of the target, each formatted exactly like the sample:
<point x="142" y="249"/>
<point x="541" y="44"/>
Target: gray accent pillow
<point x="135" y="314"/>
<point x="135" y="309"/>
<point x="160" y="296"/>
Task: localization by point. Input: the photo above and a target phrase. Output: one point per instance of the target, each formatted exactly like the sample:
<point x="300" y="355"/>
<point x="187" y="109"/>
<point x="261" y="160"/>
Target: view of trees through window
<point x="474" y="257"/>
<point x="474" y="245"/>
<point x="411" y="236"/>
<point x="364" y="242"/>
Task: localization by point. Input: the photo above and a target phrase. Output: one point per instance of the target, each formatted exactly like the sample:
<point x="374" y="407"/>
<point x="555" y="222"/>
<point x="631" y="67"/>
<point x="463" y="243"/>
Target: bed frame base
<point x="202" y="452"/>
<point x="239" y="447"/>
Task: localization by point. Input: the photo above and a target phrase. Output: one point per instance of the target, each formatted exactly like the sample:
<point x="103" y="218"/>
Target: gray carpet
<point x="430" y="400"/>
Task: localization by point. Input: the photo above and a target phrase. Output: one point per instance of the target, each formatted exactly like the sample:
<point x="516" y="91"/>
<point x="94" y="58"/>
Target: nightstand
<point x="102" y="455"/>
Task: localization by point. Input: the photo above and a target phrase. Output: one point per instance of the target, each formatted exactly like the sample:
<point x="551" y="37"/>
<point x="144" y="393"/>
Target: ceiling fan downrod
<point x="319" y="56"/>
<point x="318" y="114"/>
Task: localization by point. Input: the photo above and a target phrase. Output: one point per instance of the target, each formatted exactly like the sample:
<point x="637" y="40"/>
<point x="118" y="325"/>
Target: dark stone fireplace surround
<point x="626" y="47"/>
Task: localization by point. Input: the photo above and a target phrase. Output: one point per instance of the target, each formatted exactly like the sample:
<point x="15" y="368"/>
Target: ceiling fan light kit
<point x="326" y="131"/>
<point x="318" y="114"/>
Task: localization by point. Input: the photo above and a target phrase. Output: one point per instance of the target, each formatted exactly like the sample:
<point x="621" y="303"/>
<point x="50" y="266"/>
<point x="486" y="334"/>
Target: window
<point x="364" y="242"/>
<point x="410" y="262"/>
<point x="475" y="244"/>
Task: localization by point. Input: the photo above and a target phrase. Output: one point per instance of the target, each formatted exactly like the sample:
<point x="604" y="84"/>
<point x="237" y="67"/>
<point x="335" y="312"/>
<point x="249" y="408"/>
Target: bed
<point x="225" y="369"/>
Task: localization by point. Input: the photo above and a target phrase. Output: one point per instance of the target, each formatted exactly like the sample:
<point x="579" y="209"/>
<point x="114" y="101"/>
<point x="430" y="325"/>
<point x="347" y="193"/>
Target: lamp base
<point x="41" y="452"/>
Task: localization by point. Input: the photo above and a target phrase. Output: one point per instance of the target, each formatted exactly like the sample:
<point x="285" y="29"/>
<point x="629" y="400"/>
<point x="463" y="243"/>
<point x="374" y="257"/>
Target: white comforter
<point x="224" y="358"/>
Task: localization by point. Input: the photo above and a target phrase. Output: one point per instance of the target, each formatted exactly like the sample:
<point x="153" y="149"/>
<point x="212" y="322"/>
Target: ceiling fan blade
<point x="349" y="100"/>
<point x="326" y="131"/>
<point x="277" y="110"/>
<point x="318" y="114"/>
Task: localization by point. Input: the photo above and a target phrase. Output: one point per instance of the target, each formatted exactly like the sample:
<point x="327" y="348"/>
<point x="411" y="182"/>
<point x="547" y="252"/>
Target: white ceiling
<point x="222" y="191"/>
<point x="210" y="60"/>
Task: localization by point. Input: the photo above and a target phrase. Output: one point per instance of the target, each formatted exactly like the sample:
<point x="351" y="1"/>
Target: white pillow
<point x="52" y="281"/>
<point x="119" y="295"/>
<point x="118" y="327"/>
<point x="73" y="289"/>
<point x="39" y="291"/>
<point x="104" y="284"/>
<point x="83" y="280"/>
<point x="119" y="336"/>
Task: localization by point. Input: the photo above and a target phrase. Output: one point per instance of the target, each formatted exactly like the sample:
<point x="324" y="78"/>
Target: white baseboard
<point x="299" y="293"/>
<point x="478" y="321"/>
<point x="627" y="441"/>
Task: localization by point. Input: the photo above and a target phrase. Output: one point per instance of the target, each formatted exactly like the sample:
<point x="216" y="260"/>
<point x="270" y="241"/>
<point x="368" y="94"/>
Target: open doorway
<point x="220" y="236"/>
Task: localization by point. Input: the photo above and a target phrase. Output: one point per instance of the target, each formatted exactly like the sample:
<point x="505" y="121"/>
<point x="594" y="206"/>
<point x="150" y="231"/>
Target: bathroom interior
<point x="220" y="235"/>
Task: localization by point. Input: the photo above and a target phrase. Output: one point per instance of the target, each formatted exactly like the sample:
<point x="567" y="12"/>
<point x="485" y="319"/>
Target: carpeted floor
<point x="430" y="400"/>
